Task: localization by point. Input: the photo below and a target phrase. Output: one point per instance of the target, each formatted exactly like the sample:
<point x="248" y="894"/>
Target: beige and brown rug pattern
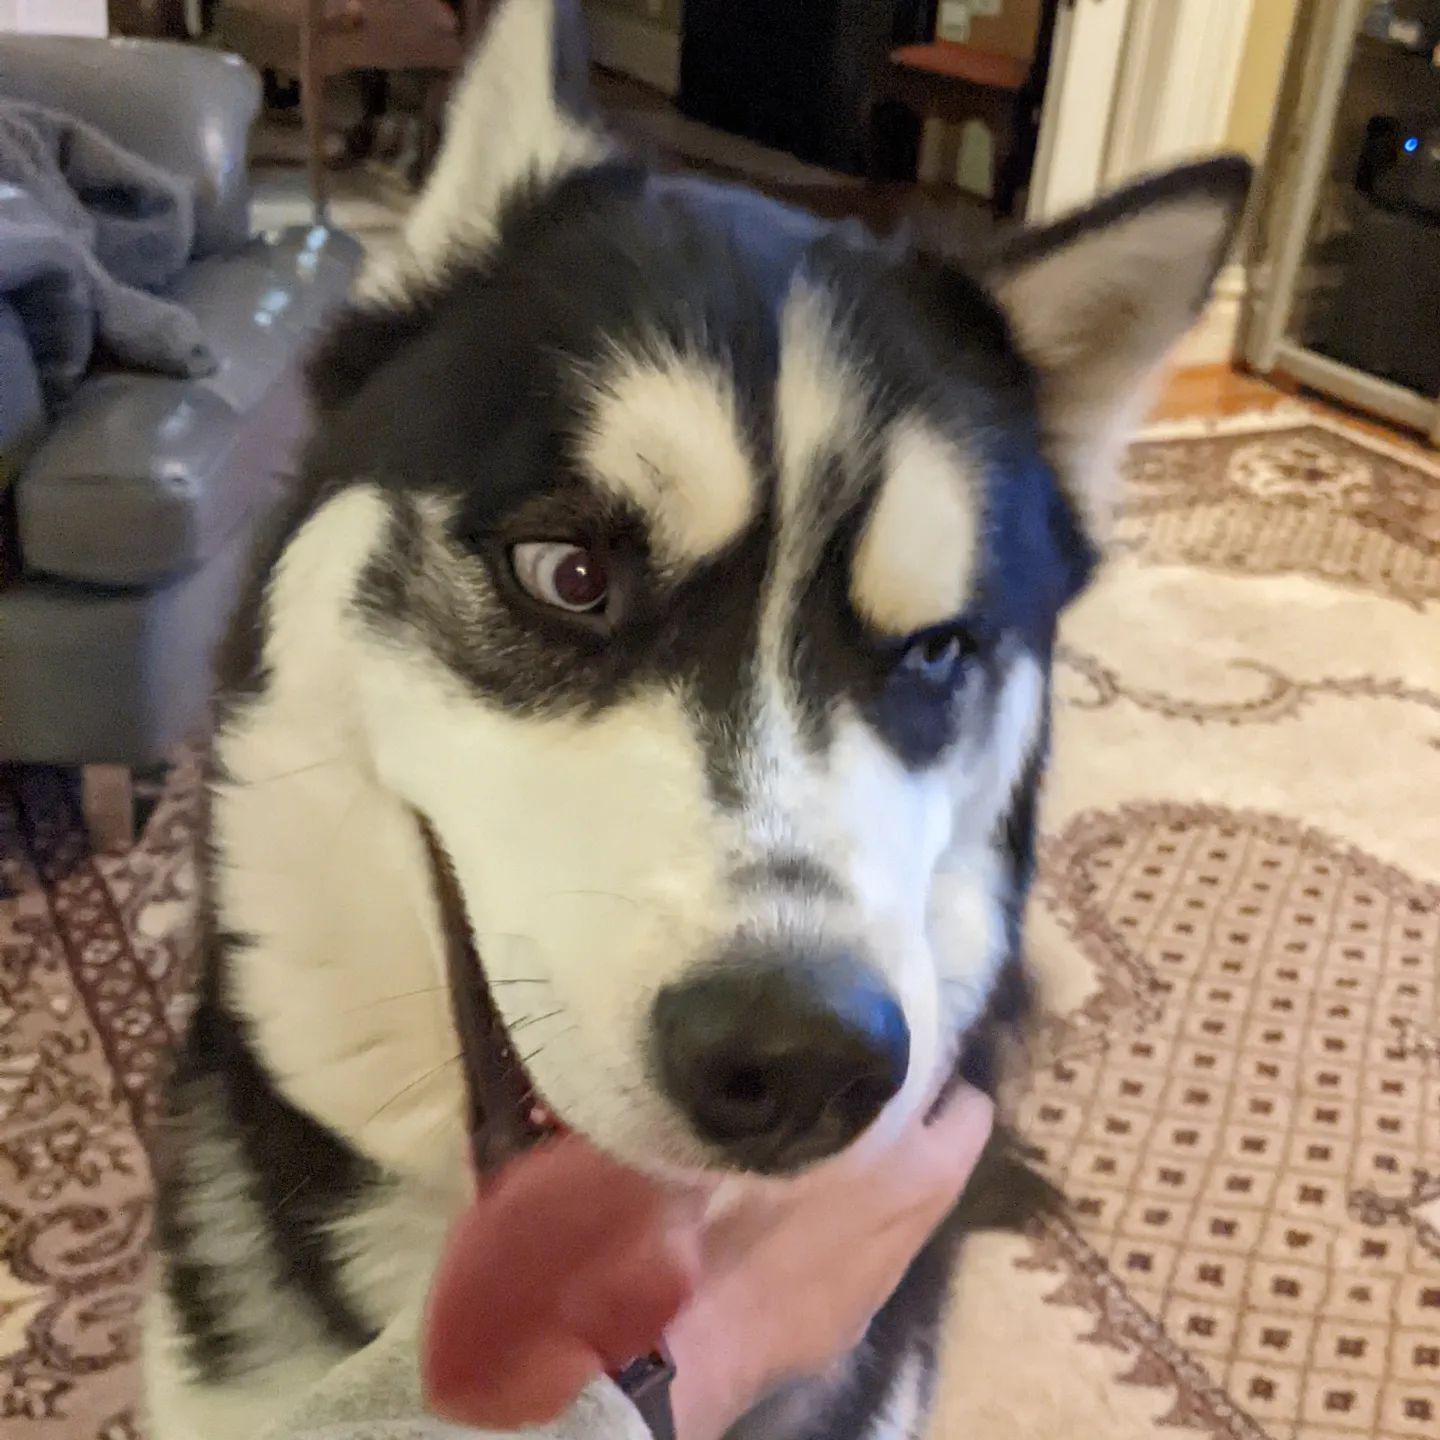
<point x="1237" y="927"/>
<point x="1319" y="498"/>
<point x="1238" y="923"/>
<point x="93" y="967"/>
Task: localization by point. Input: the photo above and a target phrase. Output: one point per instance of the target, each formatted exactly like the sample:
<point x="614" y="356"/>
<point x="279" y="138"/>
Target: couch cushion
<point x="128" y="489"/>
<point x="143" y="477"/>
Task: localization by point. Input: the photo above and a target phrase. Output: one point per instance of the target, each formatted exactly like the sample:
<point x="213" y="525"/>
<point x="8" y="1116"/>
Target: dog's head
<point x="713" y="560"/>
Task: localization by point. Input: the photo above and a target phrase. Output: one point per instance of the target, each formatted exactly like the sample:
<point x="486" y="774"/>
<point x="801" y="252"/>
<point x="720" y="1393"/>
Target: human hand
<point x="568" y="1265"/>
<point x="790" y="1282"/>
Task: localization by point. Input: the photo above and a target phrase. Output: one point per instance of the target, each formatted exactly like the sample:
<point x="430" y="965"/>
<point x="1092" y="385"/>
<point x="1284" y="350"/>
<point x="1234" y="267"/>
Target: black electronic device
<point x="1399" y="166"/>
<point x="1383" y="317"/>
<point x="794" y="76"/>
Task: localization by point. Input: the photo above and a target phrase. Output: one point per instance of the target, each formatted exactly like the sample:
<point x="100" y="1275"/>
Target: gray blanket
<point x="87" y="230"/>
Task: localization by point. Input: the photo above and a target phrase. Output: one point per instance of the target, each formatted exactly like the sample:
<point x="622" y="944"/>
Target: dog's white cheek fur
<point x="966" y="902"/>
<point x="590" y="855"/>
<point x="323" y="869"/>
<point x="882" y="829"/>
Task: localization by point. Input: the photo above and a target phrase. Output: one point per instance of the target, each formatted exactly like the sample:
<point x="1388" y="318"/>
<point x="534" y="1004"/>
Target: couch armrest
<point x="185" y="109"/>
<point x="133" y="486"/>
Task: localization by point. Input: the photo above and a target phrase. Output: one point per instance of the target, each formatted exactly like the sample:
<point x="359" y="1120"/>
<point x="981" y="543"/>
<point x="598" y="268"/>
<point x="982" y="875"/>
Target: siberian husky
<point x="688" y="569"/>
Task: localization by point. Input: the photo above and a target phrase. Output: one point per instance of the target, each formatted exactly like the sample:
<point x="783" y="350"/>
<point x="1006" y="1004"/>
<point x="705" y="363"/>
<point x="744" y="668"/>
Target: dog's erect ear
<point x="518" y="118"/>
<point x="1098" y="300"/>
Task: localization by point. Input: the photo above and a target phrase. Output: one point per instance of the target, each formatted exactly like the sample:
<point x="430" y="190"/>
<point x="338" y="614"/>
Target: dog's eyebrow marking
<point x="822" y="434"/>
<point x="664" y="433"/>
<point x="820" y="399"/>
<point x="915" y="565"/>
<point x="789" y="872"/>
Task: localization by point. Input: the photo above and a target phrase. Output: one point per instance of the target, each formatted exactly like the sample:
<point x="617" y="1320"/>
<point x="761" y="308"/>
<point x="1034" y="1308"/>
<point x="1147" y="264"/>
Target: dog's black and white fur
<point x="840" y="493"/>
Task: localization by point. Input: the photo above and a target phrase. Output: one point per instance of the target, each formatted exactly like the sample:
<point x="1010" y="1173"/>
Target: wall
<point x="664" y="13"/>
<point x="1261" y="68"/>
<point x="55" y="17"/>
<point x="639" y="38"/>
<point x="1011" y="30"/>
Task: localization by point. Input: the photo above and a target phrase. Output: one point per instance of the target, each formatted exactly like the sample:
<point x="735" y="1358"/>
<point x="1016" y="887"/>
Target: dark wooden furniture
<point x="794" y="75"/>
<point x="314" y="40"/>
<point x="949" y="81"/>
<point x="147" y="19"/>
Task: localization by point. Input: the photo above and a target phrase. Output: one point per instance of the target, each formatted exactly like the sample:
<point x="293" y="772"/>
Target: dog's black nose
<point x="781" y="1064"/>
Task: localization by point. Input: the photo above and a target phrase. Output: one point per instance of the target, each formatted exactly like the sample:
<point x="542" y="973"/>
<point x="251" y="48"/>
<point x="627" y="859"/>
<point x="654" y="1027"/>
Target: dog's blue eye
<point x="569" y="577"/>
<point x="936" y="658"/>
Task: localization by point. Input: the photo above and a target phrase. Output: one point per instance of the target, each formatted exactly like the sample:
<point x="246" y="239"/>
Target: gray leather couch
<point x="136" y="507"/>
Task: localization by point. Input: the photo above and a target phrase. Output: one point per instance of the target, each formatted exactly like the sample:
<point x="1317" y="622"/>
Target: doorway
<point x="1132" y="85"/>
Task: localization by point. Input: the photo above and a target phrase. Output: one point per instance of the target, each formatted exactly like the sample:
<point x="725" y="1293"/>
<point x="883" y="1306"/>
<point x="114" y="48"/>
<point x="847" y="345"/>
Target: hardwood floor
<point x="1221" y="390"/>
<point x="653" y="127"/>
<point x="1216" y="390"/>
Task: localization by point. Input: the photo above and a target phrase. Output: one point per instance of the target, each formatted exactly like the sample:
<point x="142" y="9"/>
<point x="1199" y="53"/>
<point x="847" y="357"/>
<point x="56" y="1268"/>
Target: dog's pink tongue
<point x="565" y="1266"/>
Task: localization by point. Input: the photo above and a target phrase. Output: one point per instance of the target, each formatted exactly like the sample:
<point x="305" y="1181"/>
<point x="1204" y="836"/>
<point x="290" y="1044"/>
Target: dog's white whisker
<point x="516" y="1026"/>
<point x="404" y="995"/>
<point x="257" y="781"/>
<point x="594" y="895"/>
<point x="419" y="1080"/>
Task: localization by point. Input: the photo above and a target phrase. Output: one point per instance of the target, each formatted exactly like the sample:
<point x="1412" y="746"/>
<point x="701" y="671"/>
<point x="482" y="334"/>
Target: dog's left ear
<point x="520" y="118"/>
<point x="1098" y="300"/>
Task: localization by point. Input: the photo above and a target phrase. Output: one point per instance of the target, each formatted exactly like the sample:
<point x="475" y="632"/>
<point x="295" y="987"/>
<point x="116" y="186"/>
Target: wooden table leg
<point x="312" y="106"/>
<point x="107" y="801"/>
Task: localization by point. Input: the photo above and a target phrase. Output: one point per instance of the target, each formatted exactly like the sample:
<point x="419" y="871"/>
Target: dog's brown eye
<point x="569" y="577"/>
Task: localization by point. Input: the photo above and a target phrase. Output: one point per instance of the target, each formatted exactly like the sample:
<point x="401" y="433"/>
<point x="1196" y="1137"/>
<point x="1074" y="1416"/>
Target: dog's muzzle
<point x="776" y="1060"/>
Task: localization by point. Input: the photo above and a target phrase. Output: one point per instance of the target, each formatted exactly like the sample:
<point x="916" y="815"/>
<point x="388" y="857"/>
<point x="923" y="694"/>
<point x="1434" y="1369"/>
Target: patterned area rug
<point x="1237" y="1084"/>
<point x="92" y="984"/>
<point x="1238" y="924"/>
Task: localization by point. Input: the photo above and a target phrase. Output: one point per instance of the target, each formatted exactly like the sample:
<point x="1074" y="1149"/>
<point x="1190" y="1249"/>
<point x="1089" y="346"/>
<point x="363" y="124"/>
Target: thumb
<point x="949" y="1144"/>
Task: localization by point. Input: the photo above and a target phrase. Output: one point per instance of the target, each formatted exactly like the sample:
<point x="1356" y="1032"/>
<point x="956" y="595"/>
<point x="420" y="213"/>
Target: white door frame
<point x="1147" y="85"/>
<point x="1177" y="84"/>
<point x="1080" y="98"/>
<point x="1134" y="85"/>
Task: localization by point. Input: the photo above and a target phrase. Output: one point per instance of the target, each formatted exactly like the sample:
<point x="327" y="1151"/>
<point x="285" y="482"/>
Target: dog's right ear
<point x="1098" y="299"/>
<point x="517" y="120"/>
